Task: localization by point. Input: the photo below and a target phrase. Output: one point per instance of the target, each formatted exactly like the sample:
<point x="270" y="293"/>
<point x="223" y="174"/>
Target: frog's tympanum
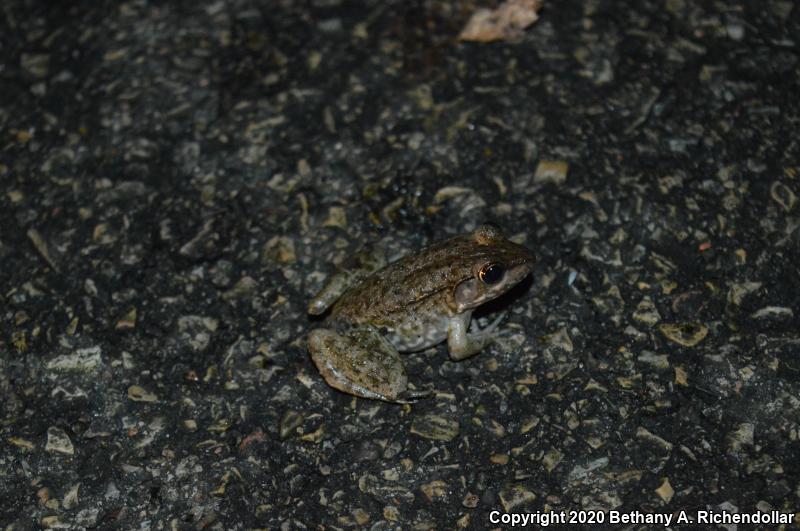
<point x="379" y="310"/>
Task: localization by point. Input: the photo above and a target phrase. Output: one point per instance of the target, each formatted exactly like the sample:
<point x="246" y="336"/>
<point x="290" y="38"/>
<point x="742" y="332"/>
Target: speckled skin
<point x="408" y="305"/>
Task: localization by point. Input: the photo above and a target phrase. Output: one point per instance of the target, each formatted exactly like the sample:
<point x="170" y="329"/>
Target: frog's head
<point x="497" y="265"/>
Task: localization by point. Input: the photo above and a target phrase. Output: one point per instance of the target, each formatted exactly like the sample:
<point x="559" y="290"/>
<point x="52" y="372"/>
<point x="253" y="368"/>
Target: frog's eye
<point x="491" y="273"/>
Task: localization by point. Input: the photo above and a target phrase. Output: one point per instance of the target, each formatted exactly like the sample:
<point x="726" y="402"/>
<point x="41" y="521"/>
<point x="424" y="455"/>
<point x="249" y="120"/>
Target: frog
<point x="379" y="309"/>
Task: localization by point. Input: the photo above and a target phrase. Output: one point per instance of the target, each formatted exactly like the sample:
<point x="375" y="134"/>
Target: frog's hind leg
<point x="360" y="361"/>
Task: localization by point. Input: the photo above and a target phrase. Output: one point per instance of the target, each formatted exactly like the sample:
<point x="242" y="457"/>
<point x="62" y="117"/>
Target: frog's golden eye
<point x="491" y="273"/>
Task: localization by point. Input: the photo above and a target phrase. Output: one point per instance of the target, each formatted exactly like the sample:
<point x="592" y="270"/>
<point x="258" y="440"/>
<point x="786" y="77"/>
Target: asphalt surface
<point x="180" y="178"/>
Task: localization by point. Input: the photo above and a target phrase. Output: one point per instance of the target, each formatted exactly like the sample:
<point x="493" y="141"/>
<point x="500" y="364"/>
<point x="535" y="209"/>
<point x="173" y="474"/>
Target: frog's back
<point x="421" y="284"/>
<point x="416" y="283"/>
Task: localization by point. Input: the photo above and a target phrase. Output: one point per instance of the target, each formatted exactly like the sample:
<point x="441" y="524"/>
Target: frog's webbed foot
<point x="361" y="362"/>
<point x="353" y="271"/>
<point x="462" y="344"/>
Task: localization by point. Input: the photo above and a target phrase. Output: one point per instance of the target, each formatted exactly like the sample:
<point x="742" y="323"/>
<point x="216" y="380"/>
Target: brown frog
<point x="427" y="297"/>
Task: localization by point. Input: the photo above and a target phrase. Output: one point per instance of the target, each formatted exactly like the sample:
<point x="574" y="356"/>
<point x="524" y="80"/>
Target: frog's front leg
<point x="462" y="344"/>
<point x="358" y="360"/>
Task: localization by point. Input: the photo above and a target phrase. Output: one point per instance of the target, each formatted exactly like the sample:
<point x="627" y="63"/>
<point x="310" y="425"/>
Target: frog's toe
<point x="491" y="327"/>
<point x="360" y="362"/>
<point x="409" y="397"/>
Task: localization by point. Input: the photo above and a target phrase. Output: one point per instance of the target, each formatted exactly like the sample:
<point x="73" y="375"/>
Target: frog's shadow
<point x="504" y="301"/>
<point x="317" y="319"/>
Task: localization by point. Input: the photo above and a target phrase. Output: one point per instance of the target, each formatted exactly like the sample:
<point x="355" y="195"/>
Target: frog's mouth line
<point x="504" y="300"/>
<point x="472" y="293"/>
